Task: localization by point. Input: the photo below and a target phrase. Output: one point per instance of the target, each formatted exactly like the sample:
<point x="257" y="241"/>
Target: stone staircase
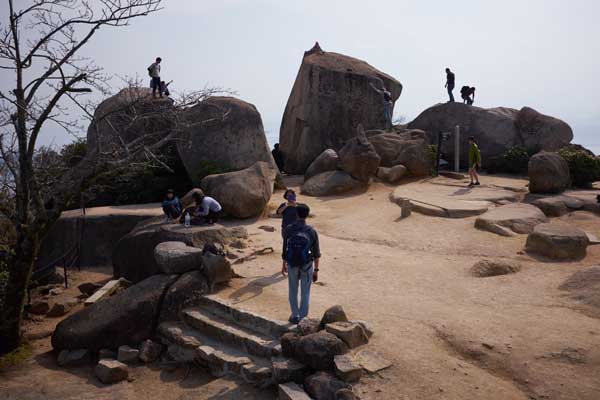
<point x="226" y="340"/>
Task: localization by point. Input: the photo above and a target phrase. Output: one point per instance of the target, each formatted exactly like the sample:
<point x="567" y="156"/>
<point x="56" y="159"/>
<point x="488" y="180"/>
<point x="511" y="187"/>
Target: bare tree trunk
<point x="19" y="268"/>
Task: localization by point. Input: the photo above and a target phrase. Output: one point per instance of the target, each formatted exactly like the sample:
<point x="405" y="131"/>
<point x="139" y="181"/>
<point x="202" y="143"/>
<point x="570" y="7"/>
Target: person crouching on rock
<point x="206" y="211"/>
<point x="287" y="210"/>
<point x="466" y="92"/>
<point x="301" y="255"/>
<point x="474" y="161"/>
<point x="171" y="205"/>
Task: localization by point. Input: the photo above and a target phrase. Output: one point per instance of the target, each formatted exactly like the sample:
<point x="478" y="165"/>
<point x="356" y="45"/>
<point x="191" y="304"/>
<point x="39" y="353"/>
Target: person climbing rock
<point x="450" y="78"/>
<point x="287" y="210"/>
<point x="171" y="205"/>
<point x="388" y="105"/>
<point x="278" y="157"/>
<point x="474" y="161"/>
<point x="301" y="255"/>
<point x="154" y="72"/>
<point x="468" y="94"/>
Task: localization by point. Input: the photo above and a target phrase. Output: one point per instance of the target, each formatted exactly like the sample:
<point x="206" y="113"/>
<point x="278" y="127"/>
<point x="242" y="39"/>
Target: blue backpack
<point x="298" y="249"/>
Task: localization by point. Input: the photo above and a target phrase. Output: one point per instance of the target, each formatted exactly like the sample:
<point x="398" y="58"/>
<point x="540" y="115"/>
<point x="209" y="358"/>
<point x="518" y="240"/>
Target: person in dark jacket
<point x="287" y="210"/>
<point x="301" y="255"/>
<point x="171" y="205"/>
<point x="278" y="157"/>
<point x="468" y="95"/>
<point x="450" y="79"/>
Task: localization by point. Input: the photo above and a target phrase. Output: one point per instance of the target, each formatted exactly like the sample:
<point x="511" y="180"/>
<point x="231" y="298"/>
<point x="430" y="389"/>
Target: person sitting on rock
<point x="474" y="161"/>
<point x="206" y="210"/>
<point x="278" y="157"/>
<point x="171" y="205"/>
<point x="287" y="210"/>
<point x="301" y="255"/>
<point x="466" y="92"/>
<point x="388" y="105"/>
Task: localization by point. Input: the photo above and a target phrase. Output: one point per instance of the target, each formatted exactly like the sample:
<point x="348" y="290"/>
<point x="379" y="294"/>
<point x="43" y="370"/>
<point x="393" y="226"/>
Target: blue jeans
<point x="300" y="276"/>
<point x="450" y="89"/>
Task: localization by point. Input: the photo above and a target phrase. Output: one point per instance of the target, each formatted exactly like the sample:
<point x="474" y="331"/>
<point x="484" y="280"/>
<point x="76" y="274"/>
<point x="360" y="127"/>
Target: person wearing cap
<point x="287" y="210"/>
<point x="171" y="205"/>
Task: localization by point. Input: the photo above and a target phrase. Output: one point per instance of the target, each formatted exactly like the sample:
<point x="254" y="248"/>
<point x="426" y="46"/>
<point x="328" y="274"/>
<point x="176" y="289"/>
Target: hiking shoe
<point x="294" y="320"/>
<point x="471" y="184"/>
<point x="477" y="183"/>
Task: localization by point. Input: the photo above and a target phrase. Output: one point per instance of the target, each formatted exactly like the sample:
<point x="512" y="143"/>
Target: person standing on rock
<point x="450" y="78"/>
<point x="154" y="72"/>
<point x="301" y="255"/>
<point x="278" y="157"/>
<point x="474" y="161"/>
<point x="388" y="105"/>
<point x="171" y="205"/>
<point x="287" y="210"/>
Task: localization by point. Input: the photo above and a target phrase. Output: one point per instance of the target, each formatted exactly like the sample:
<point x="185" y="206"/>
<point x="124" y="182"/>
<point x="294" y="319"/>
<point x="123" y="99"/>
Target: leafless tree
<point x="40" y="45"/>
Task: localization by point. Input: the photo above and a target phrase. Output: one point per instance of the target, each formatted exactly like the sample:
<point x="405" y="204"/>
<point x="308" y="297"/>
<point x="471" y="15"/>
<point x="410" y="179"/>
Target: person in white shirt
<point x="154" y="72"/>
<point x="208" y="210"/>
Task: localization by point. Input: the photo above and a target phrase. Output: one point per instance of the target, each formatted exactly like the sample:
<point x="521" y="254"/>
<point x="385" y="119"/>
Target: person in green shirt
<point x="474" y="161"/>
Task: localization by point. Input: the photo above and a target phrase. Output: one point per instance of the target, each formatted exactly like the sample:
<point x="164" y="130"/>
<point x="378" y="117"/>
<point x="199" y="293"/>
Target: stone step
<point x="244" y="318"/>
<point x="226" y="331"/>
<point x="187" y="344"/>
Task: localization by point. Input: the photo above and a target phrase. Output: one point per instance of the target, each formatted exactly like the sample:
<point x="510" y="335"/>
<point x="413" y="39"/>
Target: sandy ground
<point x="449" y="335"/>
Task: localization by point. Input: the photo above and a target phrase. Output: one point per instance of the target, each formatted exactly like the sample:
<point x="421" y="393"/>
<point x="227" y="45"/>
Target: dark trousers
<point x="171" y="211"/>
<point x="156" y="86"/>
<point x="450" y="89"/>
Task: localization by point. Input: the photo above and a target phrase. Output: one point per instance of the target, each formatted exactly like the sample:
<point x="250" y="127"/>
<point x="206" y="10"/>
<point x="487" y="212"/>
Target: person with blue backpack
<point x="301" y="254"/>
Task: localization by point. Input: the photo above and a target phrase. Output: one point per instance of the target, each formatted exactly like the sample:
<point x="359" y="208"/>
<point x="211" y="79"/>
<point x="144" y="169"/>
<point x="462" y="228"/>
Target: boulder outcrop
<point x="224" y="134"/>
<point x="242" y="194"/>
<point x="511" y="219"/>
<point x="548" y="173"/>
<point x="328" y="160"/>
<point x="408" y="148"/>
<point x="558" y="241"/>
<point x="496" y="129"/>
<point x="332" y="94"/>
<point x="330" y="183"/>
<point x="133" y="256"/>
<point x="359" y="158"/>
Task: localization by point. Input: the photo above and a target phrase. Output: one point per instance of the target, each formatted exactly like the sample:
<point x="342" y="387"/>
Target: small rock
<point x="487" y="268"/>
<point x="289" y="341"/>
<point x="366" y="327"/>
<point x="347" y="369"/>
<point x="488" y="345"/>
<point x="128" y="354"/>
<point x="333" y="314"/>
<point x="267" y="228"/>
<point x="61" y="308"/>
<point x="352" y="334"/>
<point x="371" y="360"/>
<point x="216" y="268"/>
<point x="150" y="351"/>
<point x="238" y="244"/>
<point x="73" y="358"/>
<point x="317" y="350"/>
<point x="291" y="391"/>
<point x="111" y="371"/>
<point x="39" y="307"/>
<point x="255" y="373"/>
<point x="89" y="288"/>
<point x="323" y="386"/>
<point x="177" y="257"/>
<point x="308" y="326"/>
<point x="557" y="241"/>
<point x="288" y="369"/>
<point x="107" y="353"/>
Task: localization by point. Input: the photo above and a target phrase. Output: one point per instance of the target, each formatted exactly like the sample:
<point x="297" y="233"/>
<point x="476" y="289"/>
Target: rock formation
<point x="225" y="134"/>
<point x="330" y="97"/>
<point x="496" y="129"/>
<point x="548" y="173"/>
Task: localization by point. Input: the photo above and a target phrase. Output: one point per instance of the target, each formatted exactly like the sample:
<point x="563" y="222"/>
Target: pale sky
<point x="543" y="54"/>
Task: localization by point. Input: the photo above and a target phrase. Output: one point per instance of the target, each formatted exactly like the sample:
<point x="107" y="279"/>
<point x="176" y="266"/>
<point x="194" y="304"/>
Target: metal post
<point x="457" y="149"/>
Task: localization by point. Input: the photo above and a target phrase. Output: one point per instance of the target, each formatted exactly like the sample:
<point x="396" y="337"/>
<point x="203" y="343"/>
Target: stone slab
<point x="291" y="391"/>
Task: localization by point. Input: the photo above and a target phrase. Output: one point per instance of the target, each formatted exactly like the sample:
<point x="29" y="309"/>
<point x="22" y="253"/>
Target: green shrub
<point x="512" y="161"/>
<point x="584" y="166"/>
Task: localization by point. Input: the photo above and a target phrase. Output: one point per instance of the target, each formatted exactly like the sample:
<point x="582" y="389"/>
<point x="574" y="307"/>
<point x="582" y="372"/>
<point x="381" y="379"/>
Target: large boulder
<point x="317" y="350"/>
<point x="559" y="241"/>
<point x="177" y="257"/>
<point x="408" y="148"/>
<point x="330" y="183"/>
<point x="548" y="173"/>
<point x="359" y="158"/>
<point x="125" y="318"/>
<point x="511" y="219"/>
<point x="330" y="97"/>
<point x="242" y="194"/>
<point x="224" y="134"/>
<point x="328" y="160"/>
<point x="133" y="256"/>
<point x="391" y="175"/>
<point x="496" y="129"/>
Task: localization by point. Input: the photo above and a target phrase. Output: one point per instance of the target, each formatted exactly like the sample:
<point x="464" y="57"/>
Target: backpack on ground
<point x="298" y="249"/>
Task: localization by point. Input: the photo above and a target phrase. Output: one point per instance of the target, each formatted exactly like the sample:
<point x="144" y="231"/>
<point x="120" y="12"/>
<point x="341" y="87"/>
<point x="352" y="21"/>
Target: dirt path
<point x="450" y="335"/>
